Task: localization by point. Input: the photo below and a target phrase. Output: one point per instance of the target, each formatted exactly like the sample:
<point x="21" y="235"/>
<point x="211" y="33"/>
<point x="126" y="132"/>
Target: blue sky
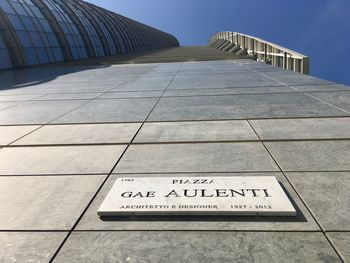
<point x="317" y="28"/>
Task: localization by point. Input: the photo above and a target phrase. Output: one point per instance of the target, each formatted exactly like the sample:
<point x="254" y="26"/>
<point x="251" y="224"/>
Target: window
<point x="33" y="31"/>
<point x="89" y="30"/>
<point x="5" y="61"/>
<point x="16" y="22"/>
<point x="72" y="34"/>
<point x="23" y="37"/>
<point x="28" y="23"/>
<point x="30" y="56"/>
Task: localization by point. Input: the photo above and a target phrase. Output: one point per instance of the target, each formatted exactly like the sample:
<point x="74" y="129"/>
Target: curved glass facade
<point x="48" y="31"/>
<point x="32" y="31"/>
<point x="67" y="29"/>
<point x="5" y="61"/>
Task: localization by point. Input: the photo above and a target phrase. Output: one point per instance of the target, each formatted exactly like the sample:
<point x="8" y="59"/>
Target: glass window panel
<point x="6" y="7"/>
<point x="65" y="28"/>
<point x="2" y="43"/>
<point x="45" y="40"/>
<point x="75" y="29"/>
<point x="36" y="39"/>
<point x="53" y="40"/>
<point x="28" y="23"/>
<point x="75" y="53"/>
<point x="42" y="54"/>
<point x="24" y="38"/>
<point x="51" y="55"/>
<point x="29" y="2"/>
<point x="5" y="61"/>
<point x="16" y="22"/>
<point x="37" y="24"/>
<point x="46" y="26"/>
<point x="58" y="17"/>
<point x="80" y="41"/>
<point x="28" y="11"/>
<point x="68" y="19"/>
<point x="19" y="9"/>
<point x="70" y="40"/>
<point x="37" y="12"/>
<point x="30" y="56"/>
<point x="84" y="52"/>
<point x="58" y="54"/>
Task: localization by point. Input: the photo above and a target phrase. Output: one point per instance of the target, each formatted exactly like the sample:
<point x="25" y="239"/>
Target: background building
<point x="48" y="31"/>
<point x="260" y="50"/>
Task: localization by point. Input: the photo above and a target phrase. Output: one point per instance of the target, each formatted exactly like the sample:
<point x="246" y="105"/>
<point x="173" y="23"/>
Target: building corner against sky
<point x="119" y="145"/>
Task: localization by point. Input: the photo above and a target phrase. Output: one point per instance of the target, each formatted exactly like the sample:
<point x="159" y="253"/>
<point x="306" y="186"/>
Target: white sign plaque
<point x="246" y="196"/>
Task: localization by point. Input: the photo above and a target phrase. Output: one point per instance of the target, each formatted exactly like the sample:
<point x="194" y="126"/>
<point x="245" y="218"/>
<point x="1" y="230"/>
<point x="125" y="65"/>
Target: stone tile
<point x="144" y="83"/>
<point x="203" y="157"/>
<point x="15" y="89"/>
<point x="29" y="247"/>
<point x="59" y="160"/>
<point x="217" y="69"/>
<point x="7" y="104"/>
<point x="163" y="68"/>
<point x="327" y="195"/>
<point x="292" y="78"/>
<point x="159" y="74"/>
<point x="204" y="81"/>
<point x="267" y="99"/>
<point x="79" y="88"/>
<point x="252" y="65"/>
<point x="81" y="134"/>
<point x="38" y="112"/>
<point x="302" y="222"/>
<point x="196" y="81"/>
<point x="132" y="94"/>
<point x="284" y="105"/>
<point x="67" y="87"/>
<point x="25" y="91"/>
<point x="17" y="97"/>
<point x="317" y="109"/>
<point x="196" y="108"/>
<point x="313" y="88"/>
<point x="111" y="110"/>
<point x="213" y="70"/>
<point x="249" y="79"/>
<point x="226" y="91"/>
<point x="324" y="128"/>
<point x="196" y="247"/>
<point x="196" y="131"/>
<point x="311" y="155"/>
<point x="339" y="99"/>
<point x="45" y="202"/>
<point x="70" y="96"/>
<point x="9" y="134"/>
<point x="342" y="243"/>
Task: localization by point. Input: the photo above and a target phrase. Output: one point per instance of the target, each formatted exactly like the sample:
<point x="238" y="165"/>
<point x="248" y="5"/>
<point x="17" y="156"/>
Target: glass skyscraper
<point x="47" y="31"/>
